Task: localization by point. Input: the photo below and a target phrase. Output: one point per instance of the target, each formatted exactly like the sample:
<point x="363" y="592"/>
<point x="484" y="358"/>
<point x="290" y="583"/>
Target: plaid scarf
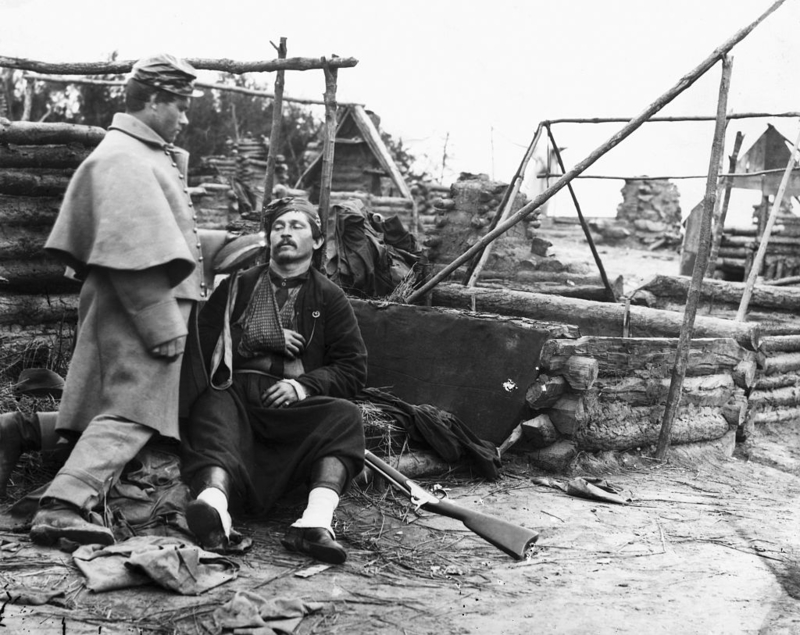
<point x="263" y="320"/>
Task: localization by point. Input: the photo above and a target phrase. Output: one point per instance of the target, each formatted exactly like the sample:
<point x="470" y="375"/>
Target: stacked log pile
<point x="36" y="162"/>
<point x="609" y="393"/>
<point x="429" y="197"/>
<point x="775" y="395"/>
<point x="467" y="214"/>
<point x="651" y="210"/>
<point x="782" y="258"/>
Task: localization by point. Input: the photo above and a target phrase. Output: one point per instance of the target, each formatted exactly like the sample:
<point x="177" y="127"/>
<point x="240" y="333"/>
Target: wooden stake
<point x="666" y="98"/>
<point x="275" y="130"/>
<point x="506" y="205"/>
<point x="328" y="147"/>
<point x="762" y="247"/>
<point x="610" y="291"/>
<point x="719" y="220"/>
<point x="700" y="264"/>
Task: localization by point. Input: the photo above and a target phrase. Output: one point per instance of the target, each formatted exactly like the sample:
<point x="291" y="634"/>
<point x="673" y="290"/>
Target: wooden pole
<point x="28" y="104"/>
<point x="684" y="83"/>
<point x="328" y="147"/>
<point x="740" y="115"/>
<point x="762" y="247"/>
<point x="719" y="220"/>
<point x="64" y="79"/>
<point x="275" y="130"/>
<point x="224" y="65"/>
<point x="612" y="297"/>
<point x="506" y="205"/>
<point x="700" y="264"/>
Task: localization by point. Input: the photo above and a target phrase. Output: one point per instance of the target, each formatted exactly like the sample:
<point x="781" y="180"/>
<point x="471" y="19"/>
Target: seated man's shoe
<point x="205" y="523"/>
<point x="316" y="542"/>
<point x="56" y="520"/>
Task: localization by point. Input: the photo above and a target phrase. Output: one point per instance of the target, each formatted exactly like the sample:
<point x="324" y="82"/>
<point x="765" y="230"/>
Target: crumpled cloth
<point x="588" y="487"/>
<point x="248" y="613"/>
<point x="166" y="561"/>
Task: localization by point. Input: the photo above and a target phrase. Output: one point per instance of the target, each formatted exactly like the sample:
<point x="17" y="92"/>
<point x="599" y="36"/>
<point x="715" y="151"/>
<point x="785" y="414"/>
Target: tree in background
<point x="217" y="118"/>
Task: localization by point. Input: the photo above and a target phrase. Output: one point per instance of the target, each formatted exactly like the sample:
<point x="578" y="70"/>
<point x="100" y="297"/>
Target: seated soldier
<point x="284" y="352"/>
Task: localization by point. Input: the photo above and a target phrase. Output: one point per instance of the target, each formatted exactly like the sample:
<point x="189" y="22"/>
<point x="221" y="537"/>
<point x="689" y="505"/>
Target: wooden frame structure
<point x="329" y="66"/>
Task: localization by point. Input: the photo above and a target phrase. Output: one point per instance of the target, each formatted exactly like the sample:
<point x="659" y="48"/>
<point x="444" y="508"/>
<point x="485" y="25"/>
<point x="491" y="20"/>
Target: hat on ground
<point x="281" y="206"/>
<point x="167" y="73"/>
<point x="39" y="382"/>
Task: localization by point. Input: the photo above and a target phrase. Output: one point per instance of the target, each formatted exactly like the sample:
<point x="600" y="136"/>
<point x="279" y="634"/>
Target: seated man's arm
<point x="344" y="369"/>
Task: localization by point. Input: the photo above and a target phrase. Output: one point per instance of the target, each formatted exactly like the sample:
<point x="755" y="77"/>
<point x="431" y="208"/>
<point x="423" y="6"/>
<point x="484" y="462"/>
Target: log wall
<point x="609" y="393"/>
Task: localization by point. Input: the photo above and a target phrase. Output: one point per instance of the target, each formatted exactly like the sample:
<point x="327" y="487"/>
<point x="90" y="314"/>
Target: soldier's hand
<point x="295" y="343"/>
<point x="170" y="350"/>
<point x="279" y="395"/>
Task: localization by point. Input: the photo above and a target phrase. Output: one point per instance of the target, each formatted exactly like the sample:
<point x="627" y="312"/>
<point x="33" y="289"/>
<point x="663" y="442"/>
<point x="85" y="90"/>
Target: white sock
<point x="322" y="502"/>
<point x="217" y="499"/>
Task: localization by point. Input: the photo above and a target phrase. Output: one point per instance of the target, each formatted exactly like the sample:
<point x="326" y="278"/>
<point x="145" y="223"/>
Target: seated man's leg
<point x="313" y="532"/>
<point x="211" y="442"/>
<point x="93" y="466"/>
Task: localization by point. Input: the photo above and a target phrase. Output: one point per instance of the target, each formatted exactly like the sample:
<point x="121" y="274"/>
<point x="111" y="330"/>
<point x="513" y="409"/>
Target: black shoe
<point x="206" y="525"/>
<point x="315" y="542"/>
<point x="58" y="520"/>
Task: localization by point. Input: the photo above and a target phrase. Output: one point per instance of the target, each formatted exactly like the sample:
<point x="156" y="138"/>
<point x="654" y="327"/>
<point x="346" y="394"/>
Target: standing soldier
<point x="128" y="229"/>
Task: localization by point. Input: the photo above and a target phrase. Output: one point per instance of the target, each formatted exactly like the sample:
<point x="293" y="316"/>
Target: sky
<point x="464" y="83"/>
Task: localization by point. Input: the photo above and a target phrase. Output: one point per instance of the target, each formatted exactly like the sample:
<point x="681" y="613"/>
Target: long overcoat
<point x="128" y="229"/>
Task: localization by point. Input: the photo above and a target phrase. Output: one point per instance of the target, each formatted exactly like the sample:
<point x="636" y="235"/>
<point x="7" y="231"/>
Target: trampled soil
<point x="708" y="544"/>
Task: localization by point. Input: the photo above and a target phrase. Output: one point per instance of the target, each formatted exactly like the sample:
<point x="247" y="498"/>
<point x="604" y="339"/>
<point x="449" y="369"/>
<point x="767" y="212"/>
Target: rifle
<point x="513" y="539"/>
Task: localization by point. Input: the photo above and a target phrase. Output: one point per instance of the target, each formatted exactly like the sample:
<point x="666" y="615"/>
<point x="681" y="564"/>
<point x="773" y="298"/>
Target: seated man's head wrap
<point x="167" y="73"/>
<point x="281" y="206"/>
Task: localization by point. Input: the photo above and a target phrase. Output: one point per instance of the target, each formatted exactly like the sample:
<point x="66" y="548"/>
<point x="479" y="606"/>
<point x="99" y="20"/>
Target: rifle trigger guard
<point x="420" y="496"/>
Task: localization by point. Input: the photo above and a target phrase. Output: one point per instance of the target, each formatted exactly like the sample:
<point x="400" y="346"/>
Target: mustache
<point x="286" y="241"/>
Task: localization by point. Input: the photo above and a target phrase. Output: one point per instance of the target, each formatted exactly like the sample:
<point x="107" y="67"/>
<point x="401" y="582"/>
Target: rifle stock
<point x="508" y="537"/>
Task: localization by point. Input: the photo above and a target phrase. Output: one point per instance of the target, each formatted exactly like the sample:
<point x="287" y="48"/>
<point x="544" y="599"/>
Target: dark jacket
<point x="335" y="357"/>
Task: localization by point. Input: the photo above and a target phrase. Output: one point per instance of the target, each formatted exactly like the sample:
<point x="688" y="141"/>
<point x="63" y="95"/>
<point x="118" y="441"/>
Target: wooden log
<point x="593" y="318"/>
<point x="539" y="432"/>
<point x="733" y="252"/>
<point x="782" y="343"/>
<point x="45" y="156"/>
<point x="780" y="364"/>
<point x="777" y="397"/>
<point x="770" y="382"/>
<point x="34" y="182"/>
<point x="28" y="210"/>
<point x="751" y="243"/>
<point x="622" y="356"/>
<point x="545" y="391"/>
<point x="782" y="415"/>
<point x="706" y="390"/>
<point x="39" y="133"/>
<point x="735" y="411"/>
<point x="18" y="242"/>
<point x="585" y="292"/>
<point x="619" y="426"/>
<point x="120" y="67"/>
<point x="724" y="291"/>
<point x="35" y="275"/>
<point x="744" y="374"/>
<point x="35" y="309"/>
<point x="579" y="372"/>
<point x="568" y="413"/>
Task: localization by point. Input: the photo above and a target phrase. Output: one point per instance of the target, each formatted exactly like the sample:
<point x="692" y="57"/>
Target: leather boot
<point x="204" y="521"/>
<point x="19" y="433"/>
<point x="56" y="520"/>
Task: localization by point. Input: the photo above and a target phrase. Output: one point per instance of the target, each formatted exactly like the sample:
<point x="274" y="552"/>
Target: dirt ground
<point x="708" y="544"/>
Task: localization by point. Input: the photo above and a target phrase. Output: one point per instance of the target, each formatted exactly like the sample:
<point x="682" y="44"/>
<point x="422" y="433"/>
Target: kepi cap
<point x="168" y="73"/>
